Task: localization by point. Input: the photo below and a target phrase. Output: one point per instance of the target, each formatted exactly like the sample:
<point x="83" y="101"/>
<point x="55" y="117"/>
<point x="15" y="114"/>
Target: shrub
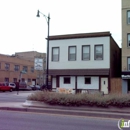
<point x="118" y="100"/>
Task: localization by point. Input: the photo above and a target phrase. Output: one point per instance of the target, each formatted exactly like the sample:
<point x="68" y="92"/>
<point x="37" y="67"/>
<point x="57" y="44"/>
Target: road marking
<point x="36" y="113"/>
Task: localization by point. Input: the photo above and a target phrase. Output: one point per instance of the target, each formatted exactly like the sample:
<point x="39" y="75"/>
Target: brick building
<point x="11" y="66"/>
<point x="31" y="55"/>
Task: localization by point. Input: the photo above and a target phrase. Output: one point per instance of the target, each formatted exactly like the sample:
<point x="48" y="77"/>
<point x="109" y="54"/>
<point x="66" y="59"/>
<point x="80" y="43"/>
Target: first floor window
<point x="87" y="80"/>
<point x="23" y="80"/>
<point x="55" y="54"/>
<point x="29" y="80"/>
<point x="98" y="52"/>
<point x="66" y="80"/>
<point x="15" y="79"/>
<point x="6" y="79"/>
<point x="128" y="60"/>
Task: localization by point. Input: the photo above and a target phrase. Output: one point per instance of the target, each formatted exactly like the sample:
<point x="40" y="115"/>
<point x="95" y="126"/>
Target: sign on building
<point x="38" y="64"/>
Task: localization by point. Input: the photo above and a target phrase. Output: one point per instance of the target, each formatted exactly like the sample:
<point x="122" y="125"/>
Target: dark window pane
<point x="66" y="80"/>
<point x="87" y="80"/>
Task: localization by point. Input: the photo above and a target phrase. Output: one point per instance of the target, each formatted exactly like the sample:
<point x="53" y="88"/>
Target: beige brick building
<point x="11" y="66"/>
<point x="31" y="55"/>
<point x="125" y="46"/>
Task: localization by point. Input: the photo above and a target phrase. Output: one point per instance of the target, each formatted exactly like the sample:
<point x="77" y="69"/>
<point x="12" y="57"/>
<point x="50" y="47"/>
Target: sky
<point x="21" y="30"/>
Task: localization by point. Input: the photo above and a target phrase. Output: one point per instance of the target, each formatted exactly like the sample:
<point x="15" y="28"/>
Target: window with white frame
<point x="85" y="52"/>
<point x="16" y="67"/>
<point x="87" y="80"/>
<point x="72" y="53"/>
<point x="128" y="61"/>
<point x="128" y="16"/>
<point x="98" y="52"/>
<point x="128" y="40"/>
<point x="7" y="66"/>
<point x="55" y="53"/>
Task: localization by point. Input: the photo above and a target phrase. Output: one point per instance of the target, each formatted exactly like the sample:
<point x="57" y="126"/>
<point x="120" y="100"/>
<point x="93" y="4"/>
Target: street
<point x="41" y="121"/>
<point x="13" y="97"/>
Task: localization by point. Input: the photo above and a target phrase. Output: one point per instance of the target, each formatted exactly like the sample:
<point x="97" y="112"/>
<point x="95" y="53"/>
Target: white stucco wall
<point x="80" y="83"/>
<point x="94" y="83"/>
<point x="71" y="85"/>
<point x="63" y="62"/>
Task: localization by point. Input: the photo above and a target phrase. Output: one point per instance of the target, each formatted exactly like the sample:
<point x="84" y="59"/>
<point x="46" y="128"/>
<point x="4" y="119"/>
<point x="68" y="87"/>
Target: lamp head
<point x="38" y="13"/>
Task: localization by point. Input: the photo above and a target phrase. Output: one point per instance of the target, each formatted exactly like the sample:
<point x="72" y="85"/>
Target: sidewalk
<point x="33" y="106"/>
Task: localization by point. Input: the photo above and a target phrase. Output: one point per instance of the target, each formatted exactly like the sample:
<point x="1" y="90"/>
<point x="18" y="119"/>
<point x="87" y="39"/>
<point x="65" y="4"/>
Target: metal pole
<point x="47" y="51"/>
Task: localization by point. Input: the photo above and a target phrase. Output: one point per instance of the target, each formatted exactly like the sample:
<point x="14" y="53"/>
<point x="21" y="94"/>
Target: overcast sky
<point x="21" y="30"/>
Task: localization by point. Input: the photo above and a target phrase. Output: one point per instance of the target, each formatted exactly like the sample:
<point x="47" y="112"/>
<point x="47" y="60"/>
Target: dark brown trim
<point x="76" y="84"/>
<point x="80" y="35"/>
<point x="57" y="81"/>
<point x="95" y="52"/>
<point x="100" y="83"/>
<point x="79" y="72"/>
<point x="69" y="53"/>
<point x="82" y="52"/>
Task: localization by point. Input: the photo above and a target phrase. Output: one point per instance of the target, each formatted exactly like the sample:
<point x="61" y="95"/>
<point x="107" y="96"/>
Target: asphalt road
<point x="13" y="97"/>
<point x="34" y="121"/>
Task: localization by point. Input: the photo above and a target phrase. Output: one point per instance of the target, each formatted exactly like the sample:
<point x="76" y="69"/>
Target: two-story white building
<point x="84" y="61"/>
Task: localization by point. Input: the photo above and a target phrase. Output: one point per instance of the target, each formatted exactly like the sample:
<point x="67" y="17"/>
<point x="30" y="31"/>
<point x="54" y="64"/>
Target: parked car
<point x="13" y="85"/>
<point x="22" y="85"/>
<point x="44" y="87"/>
<point x="5" y="87"/>
<point x="33" y="87"/>
<point x="38" y="87"/>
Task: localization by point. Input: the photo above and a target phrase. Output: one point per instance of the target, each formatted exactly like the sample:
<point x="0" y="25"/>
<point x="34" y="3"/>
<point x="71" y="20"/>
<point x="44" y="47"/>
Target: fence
<point x="116" y="85"/>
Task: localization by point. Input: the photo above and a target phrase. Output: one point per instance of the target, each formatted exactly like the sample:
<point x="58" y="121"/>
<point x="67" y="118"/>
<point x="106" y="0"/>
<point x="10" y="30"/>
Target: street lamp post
<point x="48" y="23"/>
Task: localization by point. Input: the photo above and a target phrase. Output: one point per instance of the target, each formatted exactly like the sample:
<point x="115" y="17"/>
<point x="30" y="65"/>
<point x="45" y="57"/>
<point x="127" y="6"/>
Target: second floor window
<point x="32" y="69"/>
<point x="128" y="16"/>
<point x="7" y="66"/>
<point x="72" y="53"/>
<point x="86" y="52"/>
<point x="25" y="68"/>
<point x="98" y="52"/>
<point x="16" y="68"/>
<point x="128" y="40"/>
<point x="128" y="61"/>
<point x="55" y="54"/>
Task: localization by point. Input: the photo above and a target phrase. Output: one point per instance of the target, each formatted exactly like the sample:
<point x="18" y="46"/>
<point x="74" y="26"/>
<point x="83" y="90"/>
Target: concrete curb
<point x="37" y="104"/>
<point x="34" y="106"/>
<point x="70" y="112"/>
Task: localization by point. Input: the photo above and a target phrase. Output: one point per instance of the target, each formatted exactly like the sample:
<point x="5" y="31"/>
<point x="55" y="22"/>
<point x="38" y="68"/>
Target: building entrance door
<point x="104" y="85"/>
